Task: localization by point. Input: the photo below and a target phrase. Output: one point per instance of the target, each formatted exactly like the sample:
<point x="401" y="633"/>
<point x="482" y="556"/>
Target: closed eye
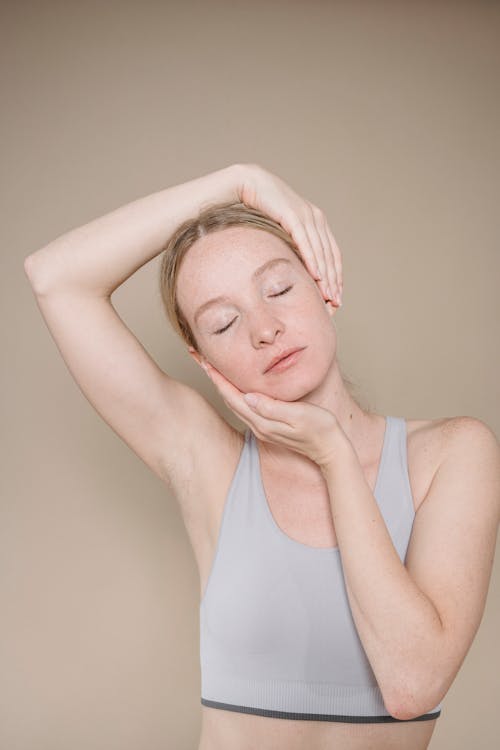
<point x="271" y="295"/>
<point x="283" y="292"/>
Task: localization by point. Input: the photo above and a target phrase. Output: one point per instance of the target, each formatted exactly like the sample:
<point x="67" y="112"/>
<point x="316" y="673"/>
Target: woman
<point x="344" y="556"/>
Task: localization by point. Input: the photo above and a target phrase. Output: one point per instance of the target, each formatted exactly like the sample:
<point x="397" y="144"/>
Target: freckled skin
<point x="222" y="263"/>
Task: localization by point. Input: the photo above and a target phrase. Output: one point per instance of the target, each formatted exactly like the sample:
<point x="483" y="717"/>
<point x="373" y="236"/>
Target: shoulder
<point x="450" y="433"/>
<point x="431" y="442"/>
<point x="472" y="446"/>
<point x="461" y="433"/>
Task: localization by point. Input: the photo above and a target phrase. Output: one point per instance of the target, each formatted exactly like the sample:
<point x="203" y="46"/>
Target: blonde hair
<point x="212" y="219"/>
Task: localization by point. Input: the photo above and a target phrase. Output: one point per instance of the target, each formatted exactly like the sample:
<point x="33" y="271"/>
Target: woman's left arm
<point x="417" y="620"/>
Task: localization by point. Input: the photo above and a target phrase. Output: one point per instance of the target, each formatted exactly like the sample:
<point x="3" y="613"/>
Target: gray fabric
<point x="276" y="629"/>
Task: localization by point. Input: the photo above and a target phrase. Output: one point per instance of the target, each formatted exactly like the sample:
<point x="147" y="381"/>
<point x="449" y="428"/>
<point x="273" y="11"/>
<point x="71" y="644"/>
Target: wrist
<point x="239" y="174"/>
<point x="339" y="451"/>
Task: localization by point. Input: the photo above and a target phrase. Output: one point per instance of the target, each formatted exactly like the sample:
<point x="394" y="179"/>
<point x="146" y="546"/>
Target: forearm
<point x="397" y="623"/>
<point x="99" y="256"/>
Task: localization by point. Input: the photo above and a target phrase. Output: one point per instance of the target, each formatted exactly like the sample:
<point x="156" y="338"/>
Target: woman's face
<point x="263" y="311"/>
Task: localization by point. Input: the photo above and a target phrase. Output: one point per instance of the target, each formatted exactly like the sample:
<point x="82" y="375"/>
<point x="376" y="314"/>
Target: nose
<point x="265" y="326"/>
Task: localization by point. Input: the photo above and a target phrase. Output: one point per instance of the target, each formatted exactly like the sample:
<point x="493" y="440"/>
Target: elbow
<point x="28" y="266"/>
<point x="29" y="270"/>
<point x="402" y="708"/>
<point x="413" y="704"/>
<point x="404" y="711"/>
<point x="37" y="274"/>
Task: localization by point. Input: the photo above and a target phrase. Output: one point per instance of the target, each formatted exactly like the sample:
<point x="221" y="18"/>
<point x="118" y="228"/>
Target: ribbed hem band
<point x="300" y="700"/>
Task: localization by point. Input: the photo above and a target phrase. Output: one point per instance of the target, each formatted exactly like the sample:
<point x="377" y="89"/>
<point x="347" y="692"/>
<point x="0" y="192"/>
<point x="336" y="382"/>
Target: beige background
<point x="385" y="114"/>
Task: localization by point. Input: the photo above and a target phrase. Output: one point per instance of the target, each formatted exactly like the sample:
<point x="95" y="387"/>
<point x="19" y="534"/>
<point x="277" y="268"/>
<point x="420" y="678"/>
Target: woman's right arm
<point x="73" y="278"/>
<point x="98" y="257"/>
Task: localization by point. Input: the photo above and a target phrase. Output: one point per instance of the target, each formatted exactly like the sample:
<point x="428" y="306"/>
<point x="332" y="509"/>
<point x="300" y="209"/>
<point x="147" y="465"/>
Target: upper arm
<point x="452" y="546"/>
<point x="157" y="416"/>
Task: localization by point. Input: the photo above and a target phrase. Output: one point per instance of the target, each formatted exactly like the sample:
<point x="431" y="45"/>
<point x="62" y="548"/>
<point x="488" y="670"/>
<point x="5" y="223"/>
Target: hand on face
<point x="305" y="223"/>
<point x="303" y="427"/>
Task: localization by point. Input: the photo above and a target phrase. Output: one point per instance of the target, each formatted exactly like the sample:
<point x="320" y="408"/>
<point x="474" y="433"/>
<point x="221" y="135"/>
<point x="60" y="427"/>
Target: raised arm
<point x="73" y="278"/>
<point x="96" y="258"/>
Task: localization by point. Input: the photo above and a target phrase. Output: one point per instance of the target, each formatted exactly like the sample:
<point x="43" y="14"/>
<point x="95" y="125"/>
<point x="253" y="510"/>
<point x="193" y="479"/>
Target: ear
<point x="198" y="358"/>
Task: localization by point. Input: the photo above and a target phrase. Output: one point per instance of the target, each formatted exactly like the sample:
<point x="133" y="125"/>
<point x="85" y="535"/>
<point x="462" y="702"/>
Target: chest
<point x="302" y="509"/>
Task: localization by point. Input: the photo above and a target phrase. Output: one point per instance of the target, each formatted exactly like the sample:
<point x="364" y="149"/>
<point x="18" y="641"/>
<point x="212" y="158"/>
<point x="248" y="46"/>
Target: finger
<point x="228" y="391"/>
<point x="337" y="256"/>
<point x="269" y="415"/>
<point x="233" y="398"/>
<point x="297" y="231"/>
<point x="331" y="275"/>
<point x="317" y="245"/>
<point x="274" y="411"/>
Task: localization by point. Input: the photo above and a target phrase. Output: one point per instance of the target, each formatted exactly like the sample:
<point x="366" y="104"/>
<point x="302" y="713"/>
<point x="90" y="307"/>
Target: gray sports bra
<point x="277" y="636"/>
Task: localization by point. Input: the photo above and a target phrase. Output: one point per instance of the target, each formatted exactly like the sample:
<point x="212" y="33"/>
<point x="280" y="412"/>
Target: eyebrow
<point x="258" y="272"/>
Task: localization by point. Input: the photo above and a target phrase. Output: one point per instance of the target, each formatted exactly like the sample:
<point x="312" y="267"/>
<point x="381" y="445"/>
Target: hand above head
<point x="304" y="222"/>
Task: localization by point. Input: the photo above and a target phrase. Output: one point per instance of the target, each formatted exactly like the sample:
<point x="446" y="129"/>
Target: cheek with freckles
<point x="308" y="374"/>
<point x="307" y="324"/>
<point x="240" y="372"/>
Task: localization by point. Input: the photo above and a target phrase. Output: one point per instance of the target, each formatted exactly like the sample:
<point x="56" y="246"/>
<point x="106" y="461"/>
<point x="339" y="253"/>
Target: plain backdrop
<point x="386" y="115"/>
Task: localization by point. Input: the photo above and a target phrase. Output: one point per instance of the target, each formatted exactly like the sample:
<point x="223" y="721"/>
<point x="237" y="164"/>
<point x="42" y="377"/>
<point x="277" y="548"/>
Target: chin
<point x="292" y="387"/>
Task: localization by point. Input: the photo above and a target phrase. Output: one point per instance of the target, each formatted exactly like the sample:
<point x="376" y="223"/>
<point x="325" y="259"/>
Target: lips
<point x="282" y="355"/>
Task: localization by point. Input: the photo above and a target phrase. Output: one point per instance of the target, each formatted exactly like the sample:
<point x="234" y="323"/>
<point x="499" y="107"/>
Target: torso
<point x="228" y="730"/>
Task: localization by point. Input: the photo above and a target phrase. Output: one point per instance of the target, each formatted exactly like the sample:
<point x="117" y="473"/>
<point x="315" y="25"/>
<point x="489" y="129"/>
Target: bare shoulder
<point x="472" y="440"/>
<point x="446" y="432"/>
<point x="432" y="441"/>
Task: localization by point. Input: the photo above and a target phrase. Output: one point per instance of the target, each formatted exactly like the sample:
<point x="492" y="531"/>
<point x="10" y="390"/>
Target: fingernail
<point x="251" y="399"/>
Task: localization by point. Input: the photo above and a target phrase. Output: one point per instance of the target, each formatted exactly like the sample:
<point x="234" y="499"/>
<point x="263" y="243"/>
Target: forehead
<point x="221" y="260"/>
<point x="235" y="244"/>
